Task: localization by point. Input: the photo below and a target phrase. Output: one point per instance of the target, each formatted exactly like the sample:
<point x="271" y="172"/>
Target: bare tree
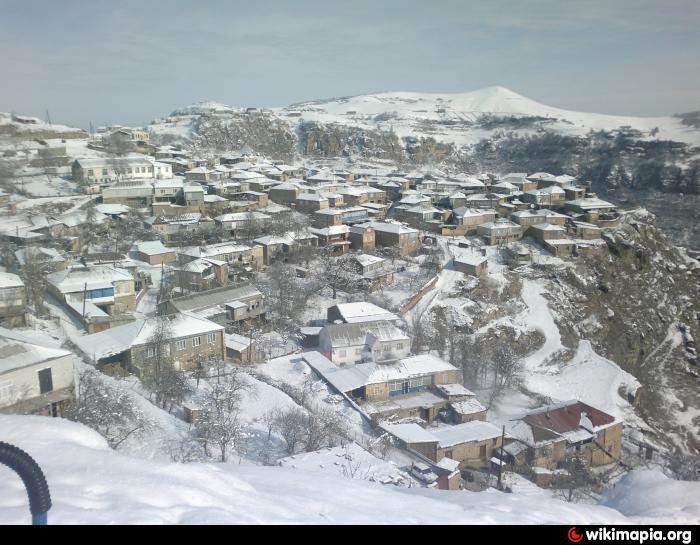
<point x="34" y="271"/>
<point x="221" y="423"/>
<point x="336" y="272"/>
<point x="290" y="425"/>
<point x="109" y="411"/>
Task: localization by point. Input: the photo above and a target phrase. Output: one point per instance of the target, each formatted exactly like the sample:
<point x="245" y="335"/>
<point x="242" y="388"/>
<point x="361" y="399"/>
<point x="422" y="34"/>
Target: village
<point x="158" y="267"/>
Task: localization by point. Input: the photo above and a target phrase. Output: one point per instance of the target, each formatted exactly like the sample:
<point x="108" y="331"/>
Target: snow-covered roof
<point x="331" y="230"/>
<point x="359" y="334"/>
<point x="91" y="277"/>
<point x="17" y="351"/>
<point x="151" y="247"/>
<point x="366" y="259"/>
<point x="121" y="338"/>
<point x="476" y="430"/>
<point x="409" y="433"/>
<point x="473" y="260"/>
<point x="363" y="312"/>
<point x="9" y="280"/>
<point x="468" y="406"/>
<point x="454" y="390"/>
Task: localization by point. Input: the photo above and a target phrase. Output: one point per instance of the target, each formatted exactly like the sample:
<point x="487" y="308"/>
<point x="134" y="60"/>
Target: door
<point x="45" y="381"/>
<point x="405" y="387"/>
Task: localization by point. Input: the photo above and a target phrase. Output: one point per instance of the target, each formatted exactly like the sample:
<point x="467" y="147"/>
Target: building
<point x="340" y="216"/>
<point x="400" y="388"/>
<point x="13" y="300"/>
<point x="359" y="313"/>
<point x="362" y="237"/>
<point x="221" y="305"/>
<point x="501" y="231"/>
<point x="335" y="236"/>
<point x="349" y="344"/>
<point x="110" y="289"/>
<point x="395" y="235"/>
<point x="548" y="196"/>
<point x="476" y="265"/>
<point x="34" y="379"/>
<point x="544" y="437"/>
<point x="49" y="259"/>
<point x="284" y="246"/>
<point x="153" y="252"/>
<point x="103" y="170"/>
<point x="182" y="339"/>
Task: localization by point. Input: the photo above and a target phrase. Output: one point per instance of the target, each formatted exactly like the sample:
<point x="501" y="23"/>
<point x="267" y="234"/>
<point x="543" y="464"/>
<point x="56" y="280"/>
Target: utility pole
<point x="500" y="461"/>
<point x="84" y="299"/>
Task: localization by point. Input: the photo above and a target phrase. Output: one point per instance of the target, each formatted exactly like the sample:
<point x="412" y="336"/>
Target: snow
<point x="10" y="280"/>
<point x="476" y="430"/>
<point x="650" y="494"/>
<point x="91" y="484"/>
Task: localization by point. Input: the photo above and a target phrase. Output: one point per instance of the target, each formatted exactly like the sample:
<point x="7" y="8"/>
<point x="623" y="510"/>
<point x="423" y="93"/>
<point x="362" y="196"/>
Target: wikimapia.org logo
<point x="639" y="536"/>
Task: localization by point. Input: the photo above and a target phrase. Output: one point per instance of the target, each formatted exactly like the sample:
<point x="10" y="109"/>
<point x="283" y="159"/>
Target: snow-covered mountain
<point x="459" y="118"/>
<point x="91" y="484"/>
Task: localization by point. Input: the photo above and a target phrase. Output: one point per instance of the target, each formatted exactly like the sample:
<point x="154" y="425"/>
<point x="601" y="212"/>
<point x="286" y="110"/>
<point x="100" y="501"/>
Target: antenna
<point x="48" y="117"/>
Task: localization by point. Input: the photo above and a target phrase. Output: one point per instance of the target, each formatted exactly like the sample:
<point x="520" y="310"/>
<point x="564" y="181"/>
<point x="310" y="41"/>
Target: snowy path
<point x="538" y="316"/>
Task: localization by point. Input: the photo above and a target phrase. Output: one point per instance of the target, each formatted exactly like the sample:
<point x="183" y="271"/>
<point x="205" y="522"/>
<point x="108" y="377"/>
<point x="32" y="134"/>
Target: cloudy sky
<point x="125" y="61"/>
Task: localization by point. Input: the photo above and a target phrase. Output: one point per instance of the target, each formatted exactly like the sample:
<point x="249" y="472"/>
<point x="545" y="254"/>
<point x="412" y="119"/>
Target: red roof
<point x="567" y="417"/>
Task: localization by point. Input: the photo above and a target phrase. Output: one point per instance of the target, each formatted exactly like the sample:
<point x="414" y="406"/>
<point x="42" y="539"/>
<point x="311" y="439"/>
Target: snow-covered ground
<point x="90" y="484"/>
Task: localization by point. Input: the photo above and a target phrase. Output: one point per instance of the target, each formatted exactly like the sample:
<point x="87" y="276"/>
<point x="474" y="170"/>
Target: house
<point x="545" y="436"/>
<point x="199" y="275"/>
<point x="362" y="237"/>
<point x="528" y="218"/>
<point x="501" y="231"/>
<point x="348" y="344"/>
<point x="34" y="378"/>
<point x="340" y="216"/>
<point x="221" y="305"/>
<point x="312" y="202"/>
<point x="547" y="196"/>
<point x="236" y="221"/>
<point x="358" y="313"/>
<point x="49" y="259"/>
<point x="241" y="349"/>
<point x="234" y="254"/>
<point x="182" y="339"/>
<point x="153" y="252"/>
<point x="111" y="289"/>
<point x="471" y="444"/>
<point x="87" y="171"/>
<point x="405" y="239"/>
<point x="476" y="265"/>
<point x="547" y="231"/>
<point x="374" y="271"/>
<point x="182" y="227"/>
<point x="395" y="389"/>
<point x="284" y="246"/>
<point x="13" y="300"/>
<point x="471" y="218"/>
<point x="335" y="236"/>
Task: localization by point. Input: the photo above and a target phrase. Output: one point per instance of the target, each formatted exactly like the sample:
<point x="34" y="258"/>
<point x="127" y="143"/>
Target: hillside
<point x="91" y="484"/>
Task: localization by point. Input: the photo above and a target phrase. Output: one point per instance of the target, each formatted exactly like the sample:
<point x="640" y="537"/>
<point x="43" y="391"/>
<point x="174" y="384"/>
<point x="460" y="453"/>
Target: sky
<point x="129" y="61"/>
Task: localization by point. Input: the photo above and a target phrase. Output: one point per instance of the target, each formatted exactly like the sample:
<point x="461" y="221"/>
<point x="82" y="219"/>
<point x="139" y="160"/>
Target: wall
<point x="26" y="380"/>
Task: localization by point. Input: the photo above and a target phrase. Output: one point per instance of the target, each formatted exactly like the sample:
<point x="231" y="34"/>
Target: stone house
<point x="13" y="300"/>
<point x="153" y="252"/>
<point x="501" y="231"/>
<point x="476" y="265"/>
<point x="185" y="341"/>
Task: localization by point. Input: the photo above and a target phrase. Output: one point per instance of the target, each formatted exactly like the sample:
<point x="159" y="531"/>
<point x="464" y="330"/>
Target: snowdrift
<point x="90" y="484"/>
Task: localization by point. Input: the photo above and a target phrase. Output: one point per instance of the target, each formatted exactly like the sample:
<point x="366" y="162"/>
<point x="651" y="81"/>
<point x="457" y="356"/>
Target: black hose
<point x="32" y="477"/>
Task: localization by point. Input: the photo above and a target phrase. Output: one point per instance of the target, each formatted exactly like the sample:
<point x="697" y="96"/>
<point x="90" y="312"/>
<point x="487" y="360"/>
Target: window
<point x="180" y="345"/>
<point x="104" y="172"/>
<point x="211" y="338"/>
<point x="196" y="341"/>
<point x="399" y="346"/>
<point x="482" y="451"/>
<point x="6" y="390"/>
<point x="90" y="172"/>
<point x="150" y="352"/>
<point x="45" y="381"/>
